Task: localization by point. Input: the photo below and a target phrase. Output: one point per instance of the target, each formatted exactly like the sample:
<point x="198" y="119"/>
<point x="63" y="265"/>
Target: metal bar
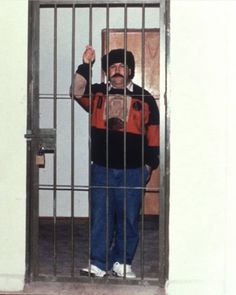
<point x="98" y="3"/>
<point x="143" y="133"/>
<point x="32" y="124"/>
<point x="47" y="134"/>
<point x="107" y="136"/>
<point x="72" y="143"/>
<point x="51" y="97"/>
<point x="101" y="5"/>
<point x="90" y="131"/>
<point x="55" y="154"/>
<point x="125" y="141"/>
<point x="86" y="188"/>
<point x="164" y="140"/>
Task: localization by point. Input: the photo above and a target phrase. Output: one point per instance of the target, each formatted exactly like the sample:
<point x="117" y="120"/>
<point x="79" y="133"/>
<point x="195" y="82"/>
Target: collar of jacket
<point x="129" y="86"/>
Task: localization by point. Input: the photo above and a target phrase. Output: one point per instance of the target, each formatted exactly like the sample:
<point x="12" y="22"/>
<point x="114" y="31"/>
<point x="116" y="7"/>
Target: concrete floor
<point x="58" y="288"/>
<point x="49" y="285"/>
<point x="63" y="260"/>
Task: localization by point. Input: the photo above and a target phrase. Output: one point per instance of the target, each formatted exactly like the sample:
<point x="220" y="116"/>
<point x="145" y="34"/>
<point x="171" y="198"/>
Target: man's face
<point x="117" y="75"/>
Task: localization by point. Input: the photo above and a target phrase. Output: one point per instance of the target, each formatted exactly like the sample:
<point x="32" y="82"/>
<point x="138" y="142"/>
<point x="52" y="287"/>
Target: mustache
<point x="117" y="75"/>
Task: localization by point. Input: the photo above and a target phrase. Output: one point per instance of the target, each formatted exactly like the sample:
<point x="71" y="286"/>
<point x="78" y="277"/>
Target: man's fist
<point x="89" y="54"/>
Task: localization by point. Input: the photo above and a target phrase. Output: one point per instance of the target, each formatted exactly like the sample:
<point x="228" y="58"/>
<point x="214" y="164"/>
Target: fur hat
<point x="118" y="56"/>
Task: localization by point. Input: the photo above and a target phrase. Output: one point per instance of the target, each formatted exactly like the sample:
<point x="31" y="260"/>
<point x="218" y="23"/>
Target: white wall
<point x="202" y="190"/>
<point x="13" y="95"/>
<point x="202" y="194"/>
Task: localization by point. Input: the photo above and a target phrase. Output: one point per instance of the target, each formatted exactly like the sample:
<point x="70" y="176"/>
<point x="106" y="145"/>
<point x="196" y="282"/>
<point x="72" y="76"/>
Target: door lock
<point x="40" y="157"/>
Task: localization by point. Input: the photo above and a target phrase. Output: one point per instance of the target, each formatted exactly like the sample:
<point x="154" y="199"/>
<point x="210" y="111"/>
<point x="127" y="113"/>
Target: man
<point x="124" y="151"/>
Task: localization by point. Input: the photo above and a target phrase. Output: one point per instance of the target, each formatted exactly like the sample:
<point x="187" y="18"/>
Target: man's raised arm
<point x="81" y="76"/>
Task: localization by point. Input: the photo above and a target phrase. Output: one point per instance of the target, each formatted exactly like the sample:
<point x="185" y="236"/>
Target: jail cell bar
<point x="108" y="37"/>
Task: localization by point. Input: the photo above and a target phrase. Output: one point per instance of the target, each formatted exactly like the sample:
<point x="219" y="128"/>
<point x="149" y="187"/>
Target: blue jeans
<point x="108" y="201"/>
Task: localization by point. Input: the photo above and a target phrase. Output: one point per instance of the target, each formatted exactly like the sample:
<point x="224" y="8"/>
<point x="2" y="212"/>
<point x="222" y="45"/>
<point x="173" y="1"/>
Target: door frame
<point x="33" y="137"/>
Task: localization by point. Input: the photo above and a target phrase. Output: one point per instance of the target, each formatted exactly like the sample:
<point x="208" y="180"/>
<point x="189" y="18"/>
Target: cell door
<point x="58" y="137"/>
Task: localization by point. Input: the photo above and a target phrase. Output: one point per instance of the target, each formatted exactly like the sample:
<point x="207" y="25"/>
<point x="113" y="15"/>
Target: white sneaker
<point x="94" y="271"/>
<point x="119" y="271"/>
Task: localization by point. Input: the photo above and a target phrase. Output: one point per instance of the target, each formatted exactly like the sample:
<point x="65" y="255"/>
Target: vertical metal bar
<point x="107" y="137"/>
<point x="90" y="124"/>
<point x="164" y="139"/>
<point x="143" y="133"/>
<point x="125" y="130"/>
<point x="55" y="153"/>
<point x="32" y="262"/>
<point x="72" y="142"/>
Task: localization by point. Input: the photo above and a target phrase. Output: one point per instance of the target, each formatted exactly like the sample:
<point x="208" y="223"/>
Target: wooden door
<point x="151" y="73"/>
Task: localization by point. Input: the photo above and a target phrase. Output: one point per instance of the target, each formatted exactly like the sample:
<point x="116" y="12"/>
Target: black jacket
<point x="124" y="126"/>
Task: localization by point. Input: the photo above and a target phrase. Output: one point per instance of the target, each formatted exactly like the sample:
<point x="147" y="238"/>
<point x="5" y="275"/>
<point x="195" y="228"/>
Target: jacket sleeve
<point x="152" y="135"/>
<point x="79" y="90"/>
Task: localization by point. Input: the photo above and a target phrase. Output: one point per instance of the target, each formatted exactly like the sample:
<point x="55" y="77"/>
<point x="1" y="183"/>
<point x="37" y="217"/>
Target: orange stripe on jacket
<point x="153" y="135"/>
